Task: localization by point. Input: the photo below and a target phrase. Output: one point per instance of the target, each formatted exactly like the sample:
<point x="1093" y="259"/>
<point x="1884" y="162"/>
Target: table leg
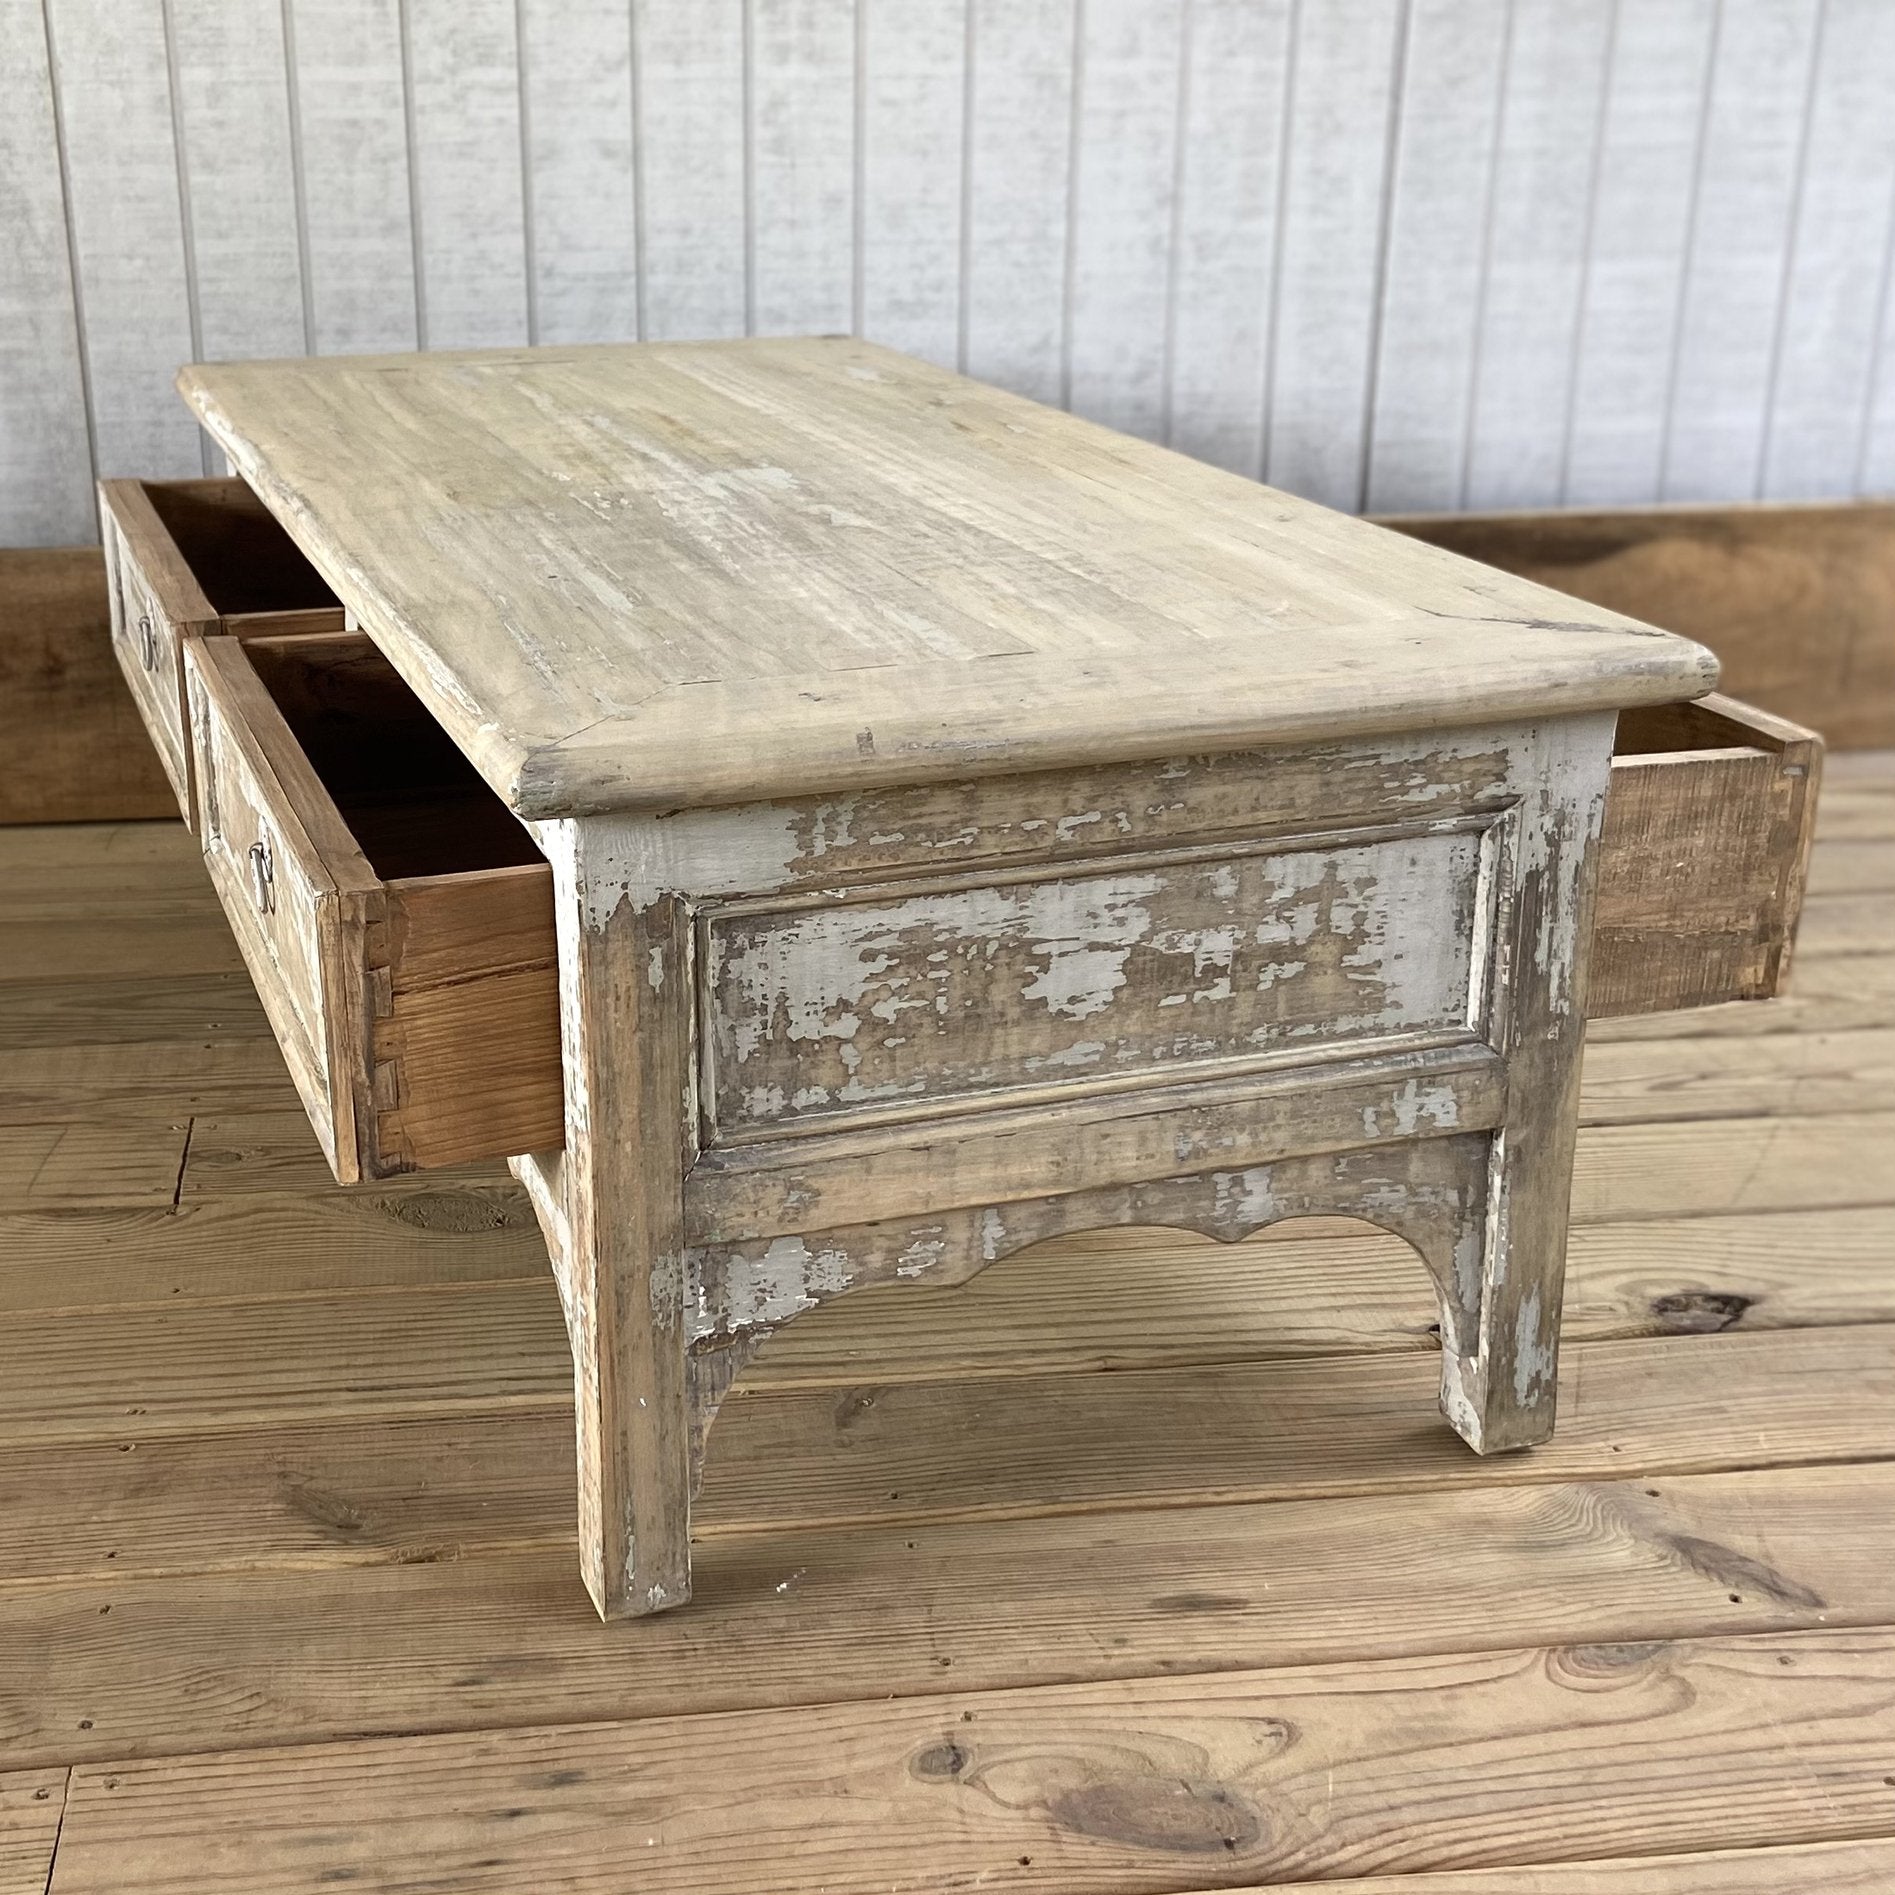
<point x="625" y="1025"/>
<point x="1501" y="1392"/>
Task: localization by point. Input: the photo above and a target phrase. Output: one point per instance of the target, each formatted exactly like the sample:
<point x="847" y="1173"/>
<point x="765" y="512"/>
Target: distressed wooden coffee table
<point x="828" y="821"/>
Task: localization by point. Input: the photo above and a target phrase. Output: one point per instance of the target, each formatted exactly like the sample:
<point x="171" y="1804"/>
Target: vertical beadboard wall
<point x="1389" y="253"/>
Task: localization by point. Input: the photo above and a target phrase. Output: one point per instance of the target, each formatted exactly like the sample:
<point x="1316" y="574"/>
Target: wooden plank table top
<point x="634" y="576"/>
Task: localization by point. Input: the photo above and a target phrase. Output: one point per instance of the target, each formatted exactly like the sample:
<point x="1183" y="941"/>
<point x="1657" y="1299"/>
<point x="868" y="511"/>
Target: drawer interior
<point x="242" y="559"/>
<point x="412" y="801"/>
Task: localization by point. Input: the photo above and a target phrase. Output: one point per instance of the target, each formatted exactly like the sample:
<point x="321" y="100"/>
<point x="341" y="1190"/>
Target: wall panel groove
<point x="1391" y="253"/>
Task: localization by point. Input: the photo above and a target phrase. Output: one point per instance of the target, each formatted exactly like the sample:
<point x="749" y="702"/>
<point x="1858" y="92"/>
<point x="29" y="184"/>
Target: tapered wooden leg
<point x="1501" y="1391"/>
<point x="1500" y="1385"/>
<point x="624" y="1000"/>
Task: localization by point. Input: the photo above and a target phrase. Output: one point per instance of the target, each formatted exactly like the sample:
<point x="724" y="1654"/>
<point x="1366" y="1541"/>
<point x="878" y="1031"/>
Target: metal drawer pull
<point x="262" y="878"/>
<point x="147" y="640"/>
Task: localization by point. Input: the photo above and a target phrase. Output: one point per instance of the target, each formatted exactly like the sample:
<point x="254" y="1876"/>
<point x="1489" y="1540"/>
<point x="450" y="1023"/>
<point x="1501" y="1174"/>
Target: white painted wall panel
<point x="581" y="217"/>
<point x="466" y="154"/>
<point x="1402" y="253"/>
<point x="1749" y="168"/>
<point x="802" y="59"/>
<point x="45" y="452"/>
<point x="1125" y="153"/>
<point x="1223" y="243"/>
<point x="693" y="145"/>
<point x="237" y="175"/>
<point x="1330" y="246"/>
<point x="1020" y="136"/>
<point x="1626" y="347"/>
<point x="349" y="127"/>
<point x="113" y="71"/>
<point x="914" y="107"/>
<point x="1540" y="225"/>
<point x="1440" y="215"/>
<point x="1845" y="214"/>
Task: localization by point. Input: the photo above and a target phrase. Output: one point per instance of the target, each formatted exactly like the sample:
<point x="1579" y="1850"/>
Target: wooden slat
<point x="1118" y="256"/>
<point x="341" y="1627"/>
<point x="1834" y="1868"/>
<point x="1642" y="1169"/>
<point x="126" y="1008"/>
<point x="1127" y="1785"/>
<point x="800" y="67"/>
<point x="75" y="749"/>
<point x="912" y="78"/>
<point x="146" y="1373"/>
<point x="1742" y="223"/>
<point x="1328" y="243"/>
<point x="461" y="65"/>
<point x="1845" y="925"/>
<point x="328" y="1491"/>
<point x="45" y="463"/>
<point x="348" y="92"/>
<point x="64" y="1084"/>
<point x="1536" y="232"/>
<point x="1826" y="994"/>
<point x="125" y="215"/>
<point x="1850" y="867"/>
<point x="259" y="1246"/>
<point x="123" y="1163"/>
<point x="236" y="155"/>
<point x="691" y="145"/>
<point x="31" y="1805"/>
<point x="1773" y="1075"/>
<point x="1224" y="219"/>
<point x="1828" y="335"/>
<point x="576" y="119"/>
<point x="1440" y="182"/>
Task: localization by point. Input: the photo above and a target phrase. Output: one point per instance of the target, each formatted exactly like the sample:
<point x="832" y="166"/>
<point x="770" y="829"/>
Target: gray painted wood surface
<point x="1395" y="253"/>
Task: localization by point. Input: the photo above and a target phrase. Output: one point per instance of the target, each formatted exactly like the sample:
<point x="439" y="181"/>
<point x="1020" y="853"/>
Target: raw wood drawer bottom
<point x="399" y="922"/>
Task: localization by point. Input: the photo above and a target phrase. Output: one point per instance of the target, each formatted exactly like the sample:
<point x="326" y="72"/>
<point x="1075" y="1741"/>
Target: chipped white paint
<point x="1533" y="1361"/>
<point x="1244" y="1197"/>
<point x="1414" y="1107"/>
<point x="1163" y="963"/>
<point x="762" y="1291"/>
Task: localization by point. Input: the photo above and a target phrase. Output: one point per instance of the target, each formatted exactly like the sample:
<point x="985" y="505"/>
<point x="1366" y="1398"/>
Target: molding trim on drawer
<point x="920" y="999"/>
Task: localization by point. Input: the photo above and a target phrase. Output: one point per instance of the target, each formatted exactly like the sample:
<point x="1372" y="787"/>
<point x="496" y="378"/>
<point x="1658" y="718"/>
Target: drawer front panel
<point x="146" y="646"/>
<point x="930" y="997"/>
<point x="280" y="903"/>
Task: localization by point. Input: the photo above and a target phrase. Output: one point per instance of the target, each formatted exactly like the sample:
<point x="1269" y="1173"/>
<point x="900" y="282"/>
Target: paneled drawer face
<point x="937" y="997"/>
<point x="195" y="559"/>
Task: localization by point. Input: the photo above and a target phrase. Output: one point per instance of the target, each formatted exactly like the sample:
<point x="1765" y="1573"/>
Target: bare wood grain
<point x="1123" y="1785"/>
<point x="32" y="1803"/>
<point x="1836" y="1868"/>
<point x="381" y="1607"/>
<point x="117" y="1164"/>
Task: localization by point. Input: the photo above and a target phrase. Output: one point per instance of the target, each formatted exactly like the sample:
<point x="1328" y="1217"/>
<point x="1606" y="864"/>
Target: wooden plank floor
<point x="1136" y="1565"/>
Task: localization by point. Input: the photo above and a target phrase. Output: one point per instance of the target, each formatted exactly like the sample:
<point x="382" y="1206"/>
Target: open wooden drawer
<point x="191" y="559"/>
<point x="396" y="919"/>
<point x="399" y="922"/>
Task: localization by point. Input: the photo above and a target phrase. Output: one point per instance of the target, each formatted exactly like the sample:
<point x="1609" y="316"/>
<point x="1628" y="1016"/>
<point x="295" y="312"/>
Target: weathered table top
<point x="634" y="576"/>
